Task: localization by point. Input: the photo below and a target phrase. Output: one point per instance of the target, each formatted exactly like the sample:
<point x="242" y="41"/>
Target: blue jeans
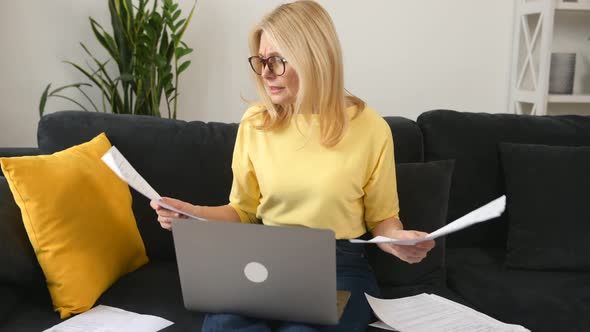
<point x="353" y="274"/>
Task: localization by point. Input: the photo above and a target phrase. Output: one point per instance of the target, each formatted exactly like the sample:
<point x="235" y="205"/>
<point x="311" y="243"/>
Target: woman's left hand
<point x="410" y="254"/>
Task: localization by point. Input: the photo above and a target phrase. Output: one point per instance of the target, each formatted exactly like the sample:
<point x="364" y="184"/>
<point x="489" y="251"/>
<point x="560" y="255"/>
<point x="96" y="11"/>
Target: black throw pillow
<point x="548" y="206"/>
<point x="423" y="191"/>
<point x="18" y="263"/>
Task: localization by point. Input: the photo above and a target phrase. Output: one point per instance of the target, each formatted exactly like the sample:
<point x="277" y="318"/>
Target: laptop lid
<point x="282" y="273"/>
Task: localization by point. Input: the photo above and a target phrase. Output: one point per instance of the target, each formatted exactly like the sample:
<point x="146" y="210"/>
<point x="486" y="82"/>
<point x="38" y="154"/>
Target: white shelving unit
<point x="540" y="28"/>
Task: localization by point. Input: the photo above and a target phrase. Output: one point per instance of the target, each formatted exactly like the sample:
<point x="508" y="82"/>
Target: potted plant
<point x="146" y="46"/>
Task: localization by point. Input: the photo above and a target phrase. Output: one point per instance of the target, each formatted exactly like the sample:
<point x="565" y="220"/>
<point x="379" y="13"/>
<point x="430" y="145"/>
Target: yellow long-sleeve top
<point x="286" y="177"/>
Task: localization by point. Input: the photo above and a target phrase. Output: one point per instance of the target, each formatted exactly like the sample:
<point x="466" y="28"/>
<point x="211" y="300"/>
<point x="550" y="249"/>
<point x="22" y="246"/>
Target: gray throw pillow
<point x="423" y="191"/>
<point x="547" y="191"/>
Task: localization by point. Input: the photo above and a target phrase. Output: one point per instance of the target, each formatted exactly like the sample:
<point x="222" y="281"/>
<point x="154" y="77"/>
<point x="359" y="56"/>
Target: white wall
<point x="402" y="57"/>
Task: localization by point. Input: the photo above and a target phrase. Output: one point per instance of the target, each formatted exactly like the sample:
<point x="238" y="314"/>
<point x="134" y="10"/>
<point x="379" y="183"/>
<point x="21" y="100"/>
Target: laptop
<point x="269" y="272"/>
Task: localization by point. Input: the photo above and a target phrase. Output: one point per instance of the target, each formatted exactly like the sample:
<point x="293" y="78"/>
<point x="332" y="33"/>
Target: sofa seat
<point x="538" y="300"/>
<point x="153" y="289"/>
<point x="10" y="297"/>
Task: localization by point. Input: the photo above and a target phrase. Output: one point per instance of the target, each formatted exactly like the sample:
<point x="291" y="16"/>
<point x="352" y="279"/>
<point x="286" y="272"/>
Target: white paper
<point x="109" y="319"/>
<point x="428" y="312"/>
<point x="489" y="211"/>
<point x="118" y="164"/>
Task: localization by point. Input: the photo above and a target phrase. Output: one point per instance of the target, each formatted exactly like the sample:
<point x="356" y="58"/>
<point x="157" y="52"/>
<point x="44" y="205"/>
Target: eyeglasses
<point x="275" y="64"/>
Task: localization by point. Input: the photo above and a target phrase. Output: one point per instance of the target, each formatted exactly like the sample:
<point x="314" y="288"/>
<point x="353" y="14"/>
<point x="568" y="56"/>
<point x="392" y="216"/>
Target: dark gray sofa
<point x="191" y="161"/>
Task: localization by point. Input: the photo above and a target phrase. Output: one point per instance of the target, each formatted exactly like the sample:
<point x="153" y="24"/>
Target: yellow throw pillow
<point x="78" y="216"/>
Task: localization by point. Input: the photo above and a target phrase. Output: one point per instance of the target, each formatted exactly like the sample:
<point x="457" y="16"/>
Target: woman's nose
<point x="267" y="72"/>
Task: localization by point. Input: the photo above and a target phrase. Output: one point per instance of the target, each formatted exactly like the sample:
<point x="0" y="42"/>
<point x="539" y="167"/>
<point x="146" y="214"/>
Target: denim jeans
<point x="353" y="274"/>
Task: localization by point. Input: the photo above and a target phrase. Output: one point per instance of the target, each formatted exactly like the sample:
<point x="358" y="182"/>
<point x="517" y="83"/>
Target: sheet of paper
<point x="427" y="312"/>
<point x="118" y="164"/>
<point x="109" y="319"/>
<point x="489" y="211"/>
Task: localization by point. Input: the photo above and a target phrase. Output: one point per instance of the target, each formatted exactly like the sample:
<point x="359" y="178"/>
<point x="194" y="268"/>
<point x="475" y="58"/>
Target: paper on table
<point x="429" y="312"/>
<point x="118" y="164"/>
<point x="104" y="318"/>
<point x="489" y="211"/>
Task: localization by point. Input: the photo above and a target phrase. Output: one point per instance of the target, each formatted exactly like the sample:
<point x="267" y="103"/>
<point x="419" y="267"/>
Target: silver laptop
<point x="278" y="273"/>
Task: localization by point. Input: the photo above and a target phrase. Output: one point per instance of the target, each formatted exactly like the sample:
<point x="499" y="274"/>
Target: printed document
<point x="489" y="211"/>
<point x="118" y="164"/>
<point x="104" y="318"/>
<point x="429" y="312"/>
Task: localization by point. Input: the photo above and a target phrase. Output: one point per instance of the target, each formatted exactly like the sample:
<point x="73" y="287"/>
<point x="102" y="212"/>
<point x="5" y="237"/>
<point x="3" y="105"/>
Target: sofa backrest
<point x="472" y="140"/>
<point x="186" y="160"/>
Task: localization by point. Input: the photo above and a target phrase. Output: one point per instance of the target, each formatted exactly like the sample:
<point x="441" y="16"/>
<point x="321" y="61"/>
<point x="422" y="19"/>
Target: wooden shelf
<point x="570" y="99"/>
<point x="573" y="6"/>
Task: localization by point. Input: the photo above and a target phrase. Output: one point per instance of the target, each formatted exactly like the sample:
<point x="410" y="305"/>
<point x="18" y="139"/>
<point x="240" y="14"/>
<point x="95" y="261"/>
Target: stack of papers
<point x="429" y="312"/>
<point x="104" y="318"/>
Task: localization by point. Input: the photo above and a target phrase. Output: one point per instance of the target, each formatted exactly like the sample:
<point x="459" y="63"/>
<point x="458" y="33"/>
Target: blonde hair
<point x="303" y="32"/>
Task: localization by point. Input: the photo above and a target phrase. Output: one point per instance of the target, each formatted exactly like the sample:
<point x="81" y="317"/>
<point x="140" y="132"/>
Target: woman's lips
<point x="275" y="89"/>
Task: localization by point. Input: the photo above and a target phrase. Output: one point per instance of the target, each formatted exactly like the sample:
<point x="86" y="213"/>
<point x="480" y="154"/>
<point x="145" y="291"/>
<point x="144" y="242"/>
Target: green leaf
<point x="168" y="77"/>
<point x="169" y="91"/>
<point x="43" y="100"/>
<point x="160" y="61"/>
<point x="126" y="77"/>
<point x="176" y="15"/>
<point x="104" y="39"/>
<point x="72" y="100"/>
<point x="119" y="32"/>
<point x="180" y="52"/>
<point x="178" y="25"/>
<point x="75" y="85"/>
<point x="163" y="43"/>
<point x="183" y="67"/>
<point x="169" y="52"/>
<point x="107" y="89"/>
<point x="151" y="33"/>
<point x="185" y="26"/>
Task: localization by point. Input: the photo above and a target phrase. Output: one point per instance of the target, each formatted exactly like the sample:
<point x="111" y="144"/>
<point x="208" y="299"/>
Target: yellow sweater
<point x="287" y="178"/>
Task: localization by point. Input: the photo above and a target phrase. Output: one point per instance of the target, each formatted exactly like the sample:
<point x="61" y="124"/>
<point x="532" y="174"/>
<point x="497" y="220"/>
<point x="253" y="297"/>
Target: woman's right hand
<point x="165" y="216"/>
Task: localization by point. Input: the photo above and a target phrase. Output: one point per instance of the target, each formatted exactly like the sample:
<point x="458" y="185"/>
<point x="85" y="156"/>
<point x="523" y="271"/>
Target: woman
<point x="308" y="154"/>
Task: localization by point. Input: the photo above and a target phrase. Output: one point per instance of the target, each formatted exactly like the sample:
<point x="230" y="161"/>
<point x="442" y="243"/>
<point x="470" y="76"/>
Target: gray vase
<point x="561" y="73"/>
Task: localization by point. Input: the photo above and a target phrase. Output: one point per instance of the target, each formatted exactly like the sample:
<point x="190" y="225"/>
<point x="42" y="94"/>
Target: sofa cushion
<point x="423" y="190"/>
<point x="538" y="300"/>
<point x="548" y="190"/>
<point x="78" y="217"/>
<point x="471" y="139"/>
<point x="17" y="258"/>
<point x="154" y="289"/>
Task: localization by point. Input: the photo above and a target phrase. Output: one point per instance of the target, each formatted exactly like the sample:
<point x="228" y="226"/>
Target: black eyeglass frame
<point x="266" y="63"/>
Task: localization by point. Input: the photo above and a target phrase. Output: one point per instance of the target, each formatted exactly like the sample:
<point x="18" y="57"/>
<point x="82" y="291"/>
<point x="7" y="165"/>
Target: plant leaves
<point x="43" y="100"/>
<point x="184" y="27"/>
<point x="183" y="67"/>
<point x="176" y="15"/>
<point x="180" y="52"/>
<point x="104" y="39"/>
<point x="75" y="85"/>
<point x="178" y="25"/>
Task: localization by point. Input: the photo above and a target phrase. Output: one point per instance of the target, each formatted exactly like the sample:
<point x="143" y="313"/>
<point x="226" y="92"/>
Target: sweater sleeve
<point x="245" y="191"/>
<point x="381" y="199"/>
